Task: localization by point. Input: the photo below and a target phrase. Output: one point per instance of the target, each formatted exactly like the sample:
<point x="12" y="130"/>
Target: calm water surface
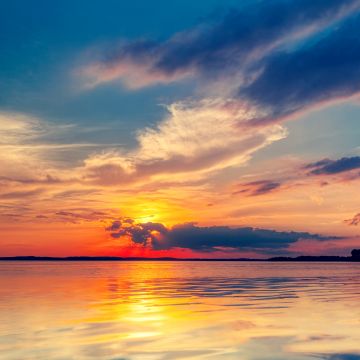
<point x="179" y="310"/>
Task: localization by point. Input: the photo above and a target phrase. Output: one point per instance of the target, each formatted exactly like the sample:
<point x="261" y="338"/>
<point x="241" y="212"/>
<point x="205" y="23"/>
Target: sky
<point x="186" y="128"/>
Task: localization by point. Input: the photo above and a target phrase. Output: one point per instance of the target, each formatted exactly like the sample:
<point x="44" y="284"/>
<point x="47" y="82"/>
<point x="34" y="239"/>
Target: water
<point x="179" y="310"/>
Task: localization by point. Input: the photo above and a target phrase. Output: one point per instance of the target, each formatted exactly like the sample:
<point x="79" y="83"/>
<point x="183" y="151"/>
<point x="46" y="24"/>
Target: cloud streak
<point x="259" y="187"/>
<point x="354" y="221"/>
<point x="330" y="167"/>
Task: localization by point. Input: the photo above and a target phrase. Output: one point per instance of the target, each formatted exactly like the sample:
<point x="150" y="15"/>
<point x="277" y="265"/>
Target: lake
<point x="150" y="310"/>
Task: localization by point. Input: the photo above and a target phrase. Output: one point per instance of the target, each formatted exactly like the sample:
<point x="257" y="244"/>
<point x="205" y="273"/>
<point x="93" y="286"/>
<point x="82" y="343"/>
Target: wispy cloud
<point x="354" y="221"/>
<point x="196" y="138"/>
<point x="21" y="194"/>
<point x="77" y="216"/>
<point x="259" y="187"/>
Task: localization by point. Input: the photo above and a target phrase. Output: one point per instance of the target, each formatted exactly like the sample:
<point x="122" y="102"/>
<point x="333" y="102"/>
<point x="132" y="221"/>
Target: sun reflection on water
<point x="168" y="310"/>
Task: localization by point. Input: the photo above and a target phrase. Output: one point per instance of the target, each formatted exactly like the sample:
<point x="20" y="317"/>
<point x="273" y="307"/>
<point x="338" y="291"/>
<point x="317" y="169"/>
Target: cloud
<point x="21" y="194"/>
<point x="34" y="151"/>
<point x="208" y="239"/>
<point x="353" y="356"/>
<point x="323" y="70"/>
<point x="216" y="47"/>
<point x="329" y="167"/>
<point x="259" y="187"/>
<point x="257" y="63"/>
<point x="72" y="194"/>
<point x="344" y="169"/>
<point x="27" y="150"/>
<point x="252" y="57"/>
<point x="15" y="127"/>
<point x="354" y="221"/>
<point x="196" y="137"/>
<point x="79" y="216"/>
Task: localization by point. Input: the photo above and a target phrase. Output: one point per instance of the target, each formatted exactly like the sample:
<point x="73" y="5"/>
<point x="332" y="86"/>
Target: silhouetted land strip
<point x="113" y="258"/>
<point x="355" y="256"/>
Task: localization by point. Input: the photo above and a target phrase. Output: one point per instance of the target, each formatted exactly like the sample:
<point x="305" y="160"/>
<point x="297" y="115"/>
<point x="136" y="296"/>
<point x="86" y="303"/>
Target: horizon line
<point x="166" y="258"/>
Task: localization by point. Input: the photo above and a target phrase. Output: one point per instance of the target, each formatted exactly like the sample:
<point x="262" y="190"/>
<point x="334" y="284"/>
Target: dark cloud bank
<point x="325" y="69"/>
<point x="208" y="239"/>
<point x="289" y="54"/>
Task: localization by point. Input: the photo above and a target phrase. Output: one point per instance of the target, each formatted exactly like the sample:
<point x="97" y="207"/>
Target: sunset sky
<point x="207" y="128"/>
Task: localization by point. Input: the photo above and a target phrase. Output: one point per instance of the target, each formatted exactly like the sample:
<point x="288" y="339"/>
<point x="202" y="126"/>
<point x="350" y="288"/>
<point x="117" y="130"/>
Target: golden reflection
<point x="169" y="310"/>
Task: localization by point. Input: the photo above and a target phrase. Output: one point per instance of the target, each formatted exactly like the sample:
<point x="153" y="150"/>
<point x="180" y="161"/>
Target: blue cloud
<point x="328" y="68"/>
<point x="328" y="167"/>
<point x="282" y="55"/>
<point x="219" y="46"/>
<point x="343" y="357"/>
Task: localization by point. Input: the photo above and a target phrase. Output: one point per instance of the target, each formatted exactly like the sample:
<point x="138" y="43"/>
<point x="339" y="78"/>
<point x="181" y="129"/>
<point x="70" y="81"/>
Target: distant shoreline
<point x="115" y="258"/>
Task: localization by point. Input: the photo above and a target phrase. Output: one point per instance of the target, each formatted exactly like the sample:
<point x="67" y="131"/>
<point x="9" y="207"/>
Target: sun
<point x="146" y="218"/>
<point x="149" y="210"/>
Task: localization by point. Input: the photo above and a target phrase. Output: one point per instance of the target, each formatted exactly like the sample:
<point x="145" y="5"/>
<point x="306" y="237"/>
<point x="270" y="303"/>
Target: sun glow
<point x="157" y="211"/>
